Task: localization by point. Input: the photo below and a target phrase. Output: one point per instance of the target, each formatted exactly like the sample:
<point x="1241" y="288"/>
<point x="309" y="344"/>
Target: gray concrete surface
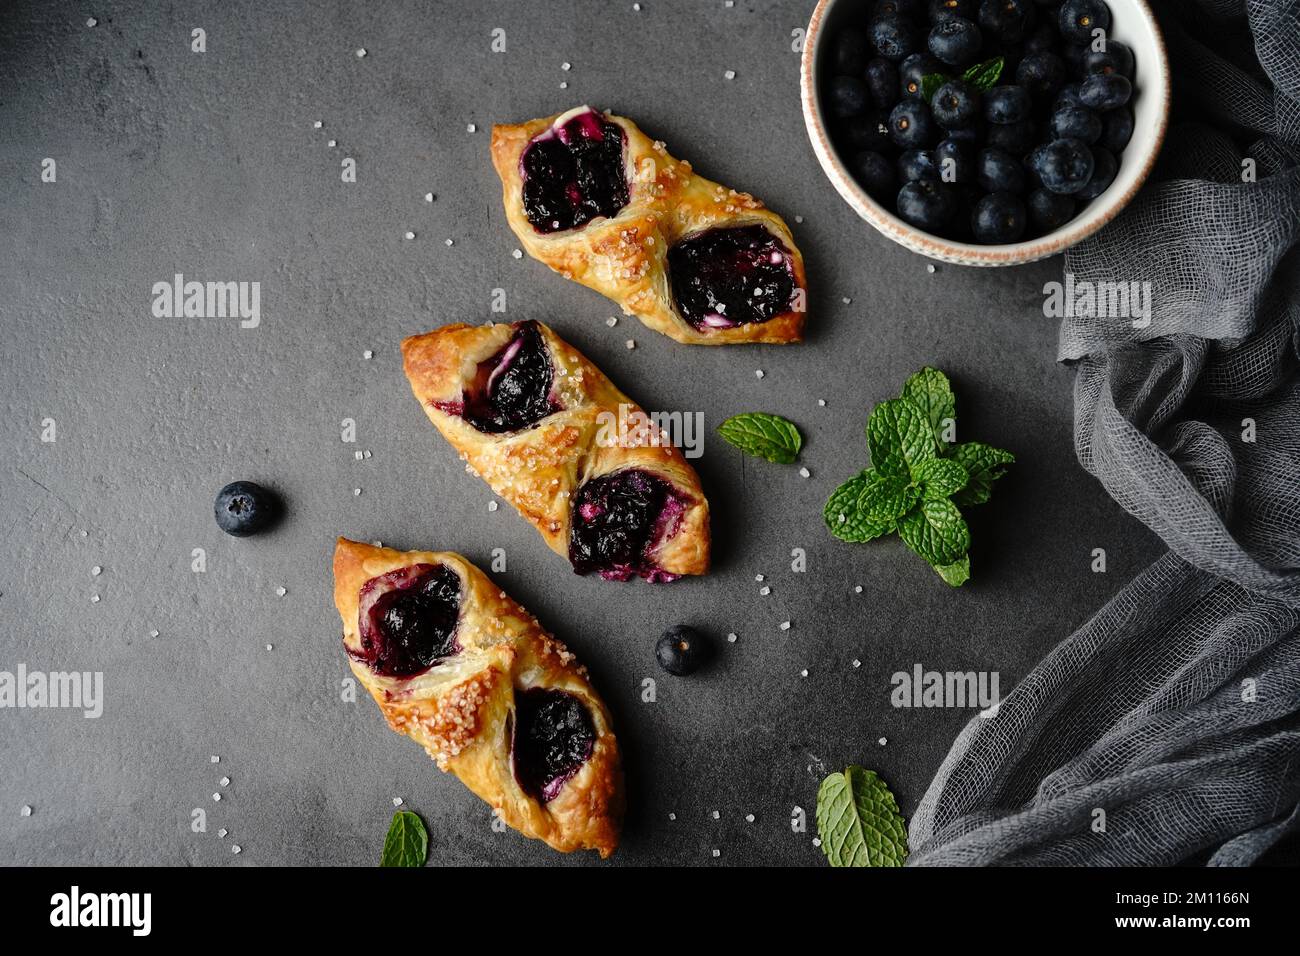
<point x="209" y="164"/>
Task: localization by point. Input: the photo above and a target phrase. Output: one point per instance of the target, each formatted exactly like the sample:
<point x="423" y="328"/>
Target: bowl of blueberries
<point x="985" y="132"/>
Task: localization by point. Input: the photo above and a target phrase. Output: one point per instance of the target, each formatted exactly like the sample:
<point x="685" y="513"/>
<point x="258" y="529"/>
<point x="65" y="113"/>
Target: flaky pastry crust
<point x="461" y="710"/>
<point x="625" y="257"/>
<point x="538" y="469"/>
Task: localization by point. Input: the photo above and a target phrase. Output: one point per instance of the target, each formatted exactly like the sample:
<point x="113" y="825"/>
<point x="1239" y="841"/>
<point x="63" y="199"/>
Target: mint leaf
<point x="985" y="465"/>
<point x="940" y="478"/>
<point x="407" y="843"/>
<point x="930" y="391"/>
<point x="858" y="820"/>
<point x="843" y="517"/>
<point x="984" y="75"/>
<point x="899" y="437"/>
<point x="886" y="498"/>
<point x="763" y="435"/>
<point x="957" y="573"/>
<point x="930" y="84"/>
<point x="936" y="531"/>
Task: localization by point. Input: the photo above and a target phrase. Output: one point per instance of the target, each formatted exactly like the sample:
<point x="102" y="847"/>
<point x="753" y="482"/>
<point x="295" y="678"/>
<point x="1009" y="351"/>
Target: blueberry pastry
<point x="595" y="199"/>
<point x="537" y="421"/>
<point x="468" y="674"/>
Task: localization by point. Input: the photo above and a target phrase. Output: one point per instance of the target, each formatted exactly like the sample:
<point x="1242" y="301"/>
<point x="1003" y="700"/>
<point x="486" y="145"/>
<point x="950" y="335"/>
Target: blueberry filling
<point x="512" y="389"/>
<point x="408" y="619"/>
<point x="573" y="173"/>
<point x="553" y="738"/>
<point x="617" y="520"/>
<point x="722" y="278"/>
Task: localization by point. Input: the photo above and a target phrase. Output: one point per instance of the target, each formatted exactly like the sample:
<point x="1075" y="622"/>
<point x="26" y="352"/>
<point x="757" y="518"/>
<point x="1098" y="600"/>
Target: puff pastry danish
<point x="464" y="671"/>
<point x="570" y="452"/>
<point x="595" y="199"/>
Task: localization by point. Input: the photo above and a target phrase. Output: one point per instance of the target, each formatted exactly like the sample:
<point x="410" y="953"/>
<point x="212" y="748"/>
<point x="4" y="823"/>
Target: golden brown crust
<point x="460" y="711"/>
<point x="537" y="469"/>
<point x="624" y="258"/>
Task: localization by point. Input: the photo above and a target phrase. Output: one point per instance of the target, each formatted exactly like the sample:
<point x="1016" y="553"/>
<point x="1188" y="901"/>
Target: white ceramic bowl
<point x="1132" y="24"/>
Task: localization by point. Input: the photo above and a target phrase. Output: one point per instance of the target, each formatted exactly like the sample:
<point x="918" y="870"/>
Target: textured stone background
<point x="208" y="164"/>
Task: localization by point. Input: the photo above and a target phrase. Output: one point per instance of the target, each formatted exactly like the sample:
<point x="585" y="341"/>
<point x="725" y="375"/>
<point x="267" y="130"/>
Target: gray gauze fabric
<point x="1167" y="729"/>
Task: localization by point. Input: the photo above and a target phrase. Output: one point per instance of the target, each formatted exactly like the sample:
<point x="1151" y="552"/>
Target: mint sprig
<point x="918" y="479"/>
<point x="982" y="76"/>
<point x="407" y="843"/>
<point x="764" y="436"/>
<point x="858" y="821"/>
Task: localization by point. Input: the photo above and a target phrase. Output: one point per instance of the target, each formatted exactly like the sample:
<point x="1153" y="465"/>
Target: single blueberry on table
<point x="680" y="650"/>
<point x="927" y="204"/>
<point x="876" y="174"/>
<point x="851" y="52"/>
<point x="1078" y="18"/>
<point x="999" y="218"/>
<point x="953" y="162"/>
<point x="1105" y="91"/>
<point x="944" y="9"/>
<point x="1018" y="138"/>
<point x="911" y="126"/>
<point x="1062" y="166"/>
<point x="1116" y="129"/>
<point x="1049" y="211"/>
<point x="1116" y="58"/>
<point x="997" y="171"/>
<point x="893" y="37"/>
<point x="864" y="131"/>
<point x="1007" y="104"/>
<point x="956" y="104"/>
<point x="914" y="164"/>
<point x="1006" y="21"/>
<point x="1042" y="74"/>
<point x="912" y="70"/>
<point x="1105" y="166"/>
<point x="1076" y="122"/>
<point x="955" y="41"/>
<point x="848" y="96"/>
<point x="244" y="507"/>
<point x="882" y="82"/>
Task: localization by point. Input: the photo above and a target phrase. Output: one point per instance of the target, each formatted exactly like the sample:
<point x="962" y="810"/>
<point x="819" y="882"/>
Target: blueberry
<point x="1068" y="96"/>
<point x="680" y="650"/>
<point x="1105" y="91"/>
<point x="943" y="9"/>
<point x="876" y="174"/>
<point x="1073" y="54"/>
<point x="1076" y="122"/>
<point x="999" y="218"/>
<point x="851" y="52"/>
<point x="1116" y="129"/>
<point x="1116" y="58"/>
<point x="882" y="82"/>
<point x="243" y="508"/>
<point x="999" y="172"/>
<point x="1015" y="138"/>
<point x="1105" y="166"/>
<point x="865" y="131"/>
<point x="1006" y="20"/>
<point x="914" y="164"/>
<point x="1049" y="211"/>
<point x="900" y="8"/>
<point x="848" y="96"/>
<point x="927" y="204"/>
<point x="912" y="70"/>
<point x="893" y="37"/>
<point x="1007" y="104"/>
<point x="955" y="41"/>
<point x="955" y="104"/>
<point x="1042" y="74"/>
<point x="911" y="126"/>
<point x="970" y="135"/>
<point x="1044" y="37"/>
<point x="1078" y="18"/>
<point x="1063" y="166"/>
<point x="952" y="161"/>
